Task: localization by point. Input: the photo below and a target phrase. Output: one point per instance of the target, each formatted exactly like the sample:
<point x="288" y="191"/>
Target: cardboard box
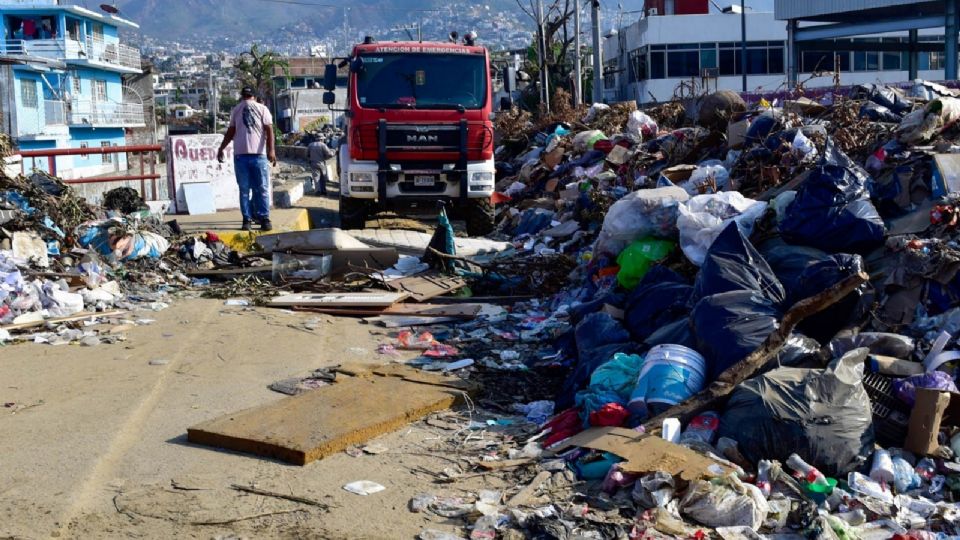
<point x="932" y="411"/>
<point x="678" y="173"/>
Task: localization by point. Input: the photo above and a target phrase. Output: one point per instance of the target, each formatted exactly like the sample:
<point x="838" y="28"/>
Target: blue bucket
<point x="670" y="374"/>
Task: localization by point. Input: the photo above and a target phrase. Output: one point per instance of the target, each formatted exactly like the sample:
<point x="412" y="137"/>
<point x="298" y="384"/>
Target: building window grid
<point x="107" y="158"/>
<point x="675" y="60"/>
<point x="28" y="93"/>
<point x="681" y="60"/>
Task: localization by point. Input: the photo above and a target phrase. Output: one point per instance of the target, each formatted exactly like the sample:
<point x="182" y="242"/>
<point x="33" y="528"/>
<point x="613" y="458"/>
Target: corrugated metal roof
<point x="795" y="9"/>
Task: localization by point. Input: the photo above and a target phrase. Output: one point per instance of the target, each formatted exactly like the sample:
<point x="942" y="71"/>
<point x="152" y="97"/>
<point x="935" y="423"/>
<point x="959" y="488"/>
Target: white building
<point x="658" y="57"/>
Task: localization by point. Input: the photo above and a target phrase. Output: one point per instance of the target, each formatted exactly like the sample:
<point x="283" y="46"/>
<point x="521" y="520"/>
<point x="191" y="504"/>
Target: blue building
<point x="61" y="70"/>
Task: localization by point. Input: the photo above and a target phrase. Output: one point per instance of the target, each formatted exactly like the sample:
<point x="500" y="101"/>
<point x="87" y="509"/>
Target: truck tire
<point x="480" y="217"/>
<point x="353" y="213"/>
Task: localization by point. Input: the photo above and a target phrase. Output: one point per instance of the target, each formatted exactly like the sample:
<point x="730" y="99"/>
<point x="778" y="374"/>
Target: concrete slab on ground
<point x="415" y="243"/>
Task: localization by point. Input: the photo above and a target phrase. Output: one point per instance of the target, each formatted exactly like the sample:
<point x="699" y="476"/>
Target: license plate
<point x="424" y="180"/>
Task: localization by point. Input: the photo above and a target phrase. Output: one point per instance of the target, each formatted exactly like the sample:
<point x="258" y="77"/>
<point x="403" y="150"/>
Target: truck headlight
<point x="364" y="177"/>
<point x="481" y="178"/>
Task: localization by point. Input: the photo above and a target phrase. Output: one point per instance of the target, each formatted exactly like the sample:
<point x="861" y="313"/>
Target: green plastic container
<point x="820" y="493"/>
<point x="635" y="261"/>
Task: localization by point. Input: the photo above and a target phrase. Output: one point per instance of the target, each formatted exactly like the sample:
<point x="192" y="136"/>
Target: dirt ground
<point x="95" y="443"/>
<point x="93" y="439"/>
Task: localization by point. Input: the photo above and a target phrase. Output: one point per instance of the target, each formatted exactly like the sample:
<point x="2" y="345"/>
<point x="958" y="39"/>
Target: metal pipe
<point x="597" y="54"/>
<point x="544" y="69"/>
<point x="913" y="64"/>
<point x="577" y="65"/>
<point x="93" y="150"/>
<point x="792" y="54"/>
<point x="950" y="41"/>
<point x="743" y="42"/>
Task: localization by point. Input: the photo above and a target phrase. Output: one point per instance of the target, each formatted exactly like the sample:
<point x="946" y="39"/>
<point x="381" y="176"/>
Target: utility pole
<point x="577" y="65"/>
<point x="597" y="55"/>
<point x="544" y="70"/>
<point x="743" y="42"/>
<point x="215" y="103"/>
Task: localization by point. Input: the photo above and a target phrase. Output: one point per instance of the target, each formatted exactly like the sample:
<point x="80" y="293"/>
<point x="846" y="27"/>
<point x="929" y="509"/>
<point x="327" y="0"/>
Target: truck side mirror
<point x="329" y="98"/>
<point x="330" y="78"/>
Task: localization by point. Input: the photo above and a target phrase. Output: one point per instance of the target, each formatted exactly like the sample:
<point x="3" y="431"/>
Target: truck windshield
<point x="422" y="81"/>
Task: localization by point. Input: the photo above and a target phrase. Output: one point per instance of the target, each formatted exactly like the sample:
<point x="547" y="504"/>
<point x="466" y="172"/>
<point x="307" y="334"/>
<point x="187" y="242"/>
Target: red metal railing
<point x="147" y="153"/>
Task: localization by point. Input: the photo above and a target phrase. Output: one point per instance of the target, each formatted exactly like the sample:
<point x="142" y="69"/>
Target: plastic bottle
<point x="702" y="428"/>
<point x="763" y="478"/>
<point x="671" y="430"/>
<point x="904" y="477"/>
<point x="882" y="468"/>
<point x="810" y="473"/>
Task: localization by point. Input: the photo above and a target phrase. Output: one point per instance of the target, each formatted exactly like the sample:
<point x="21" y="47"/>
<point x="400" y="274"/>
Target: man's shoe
<point x="265" y="225"/>
<point x="246" y="225"/>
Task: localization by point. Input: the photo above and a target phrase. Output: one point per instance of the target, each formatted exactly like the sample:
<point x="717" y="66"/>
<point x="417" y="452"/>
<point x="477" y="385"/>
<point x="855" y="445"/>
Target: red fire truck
<point x="419" y="130"/>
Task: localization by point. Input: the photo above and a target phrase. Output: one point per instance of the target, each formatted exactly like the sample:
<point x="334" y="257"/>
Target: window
<point x="683" y="64"/>
<point x="638" y="70"/>
<point x="97" y="32"/>
<point x="107" y="158"/>
<point x="729" y="62"/>
<point x="610" y="75"/>
<point x="866" y="61"/>
<point x="776" y="62"/>
<point x="658" y="65"/>
<point x="99" y="90"/>
<point x="75" y="84"/>
<point x="892" y="61"/>
<point x="708" y="58"/>
<point x="28" y="93"/>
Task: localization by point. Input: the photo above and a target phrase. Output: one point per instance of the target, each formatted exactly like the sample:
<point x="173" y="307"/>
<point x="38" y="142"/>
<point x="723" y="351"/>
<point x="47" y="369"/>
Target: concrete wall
<point x="93" y="164"/>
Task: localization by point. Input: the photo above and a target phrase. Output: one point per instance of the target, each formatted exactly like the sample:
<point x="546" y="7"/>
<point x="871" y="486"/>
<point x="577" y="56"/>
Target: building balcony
<point x="93" y="52"/>
<point x="106" y="114"/>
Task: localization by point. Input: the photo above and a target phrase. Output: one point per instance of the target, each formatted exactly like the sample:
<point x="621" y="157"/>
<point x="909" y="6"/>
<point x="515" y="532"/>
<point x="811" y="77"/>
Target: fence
<point x="148" y="157"/>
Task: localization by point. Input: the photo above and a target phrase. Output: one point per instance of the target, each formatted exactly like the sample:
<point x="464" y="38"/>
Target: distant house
<point x="299" y="97"/>
<point x="61" y="71"/>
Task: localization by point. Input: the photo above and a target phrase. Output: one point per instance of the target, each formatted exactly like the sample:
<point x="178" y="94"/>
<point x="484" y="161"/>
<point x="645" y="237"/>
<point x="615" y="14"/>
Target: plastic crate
<point x="890" y="415"/>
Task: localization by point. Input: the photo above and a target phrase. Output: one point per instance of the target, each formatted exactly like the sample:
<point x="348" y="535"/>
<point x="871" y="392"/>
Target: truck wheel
<point x="480" y="217"/>
<point x="353" y="213"/>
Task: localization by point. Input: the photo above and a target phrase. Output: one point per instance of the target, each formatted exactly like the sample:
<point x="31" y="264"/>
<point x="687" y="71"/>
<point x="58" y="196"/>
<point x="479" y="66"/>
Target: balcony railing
<point x="54" y="112"/>
<point x="106" y="113"/>
<point x="92" y="49"/>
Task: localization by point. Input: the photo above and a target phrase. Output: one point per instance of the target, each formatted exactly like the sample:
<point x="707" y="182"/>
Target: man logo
<point x="422" y="138"/>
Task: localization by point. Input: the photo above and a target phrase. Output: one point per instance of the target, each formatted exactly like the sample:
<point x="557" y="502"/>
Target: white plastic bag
<point x="594" y="109"/>
<point x="641" y="126"/>
<point x="730" y="503"/>
<point x="709" y="177"/>
<point x="804" y="147"/>
<point x="704" y="217"/>
<point x="647" y="212"/>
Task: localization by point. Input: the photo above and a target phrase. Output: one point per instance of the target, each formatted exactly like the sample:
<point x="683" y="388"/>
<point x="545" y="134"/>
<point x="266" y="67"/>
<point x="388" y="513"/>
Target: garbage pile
<point x="66" y="265"/>
<point x="757" y="332"/>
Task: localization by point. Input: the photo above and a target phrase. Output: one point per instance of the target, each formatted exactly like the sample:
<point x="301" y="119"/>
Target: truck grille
<point x="439" y="138"/>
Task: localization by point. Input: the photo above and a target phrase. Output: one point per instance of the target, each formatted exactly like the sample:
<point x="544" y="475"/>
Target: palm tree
<point x="257" y="68"/>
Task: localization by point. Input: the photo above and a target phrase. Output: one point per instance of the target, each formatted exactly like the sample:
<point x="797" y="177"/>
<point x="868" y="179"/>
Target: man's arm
<point x="227" y="138"/>
<point x="271" y="152"/>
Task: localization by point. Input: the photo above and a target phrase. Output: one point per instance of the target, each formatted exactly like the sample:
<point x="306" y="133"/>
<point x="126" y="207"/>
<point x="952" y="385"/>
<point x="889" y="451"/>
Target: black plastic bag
<point x="598" y="337"/>
<point x="798" y="351"/>
<point x="731" y="325"/>
<point x="733" y="264"/>
<point x="817" y="277"/>
<point x="659" y="299"/>
<point x="824" y="416"/>
<point x="805" y="272"/>
<point x="878" y="113"/>
<point x="833" y="212"/>
<point x="882" y="95"/>
<point x="762" y="126"/>
<point x="675" y="333"/>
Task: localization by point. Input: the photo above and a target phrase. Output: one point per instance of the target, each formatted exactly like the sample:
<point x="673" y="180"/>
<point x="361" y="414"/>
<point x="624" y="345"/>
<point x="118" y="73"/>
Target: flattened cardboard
<point x="645" y="453"/>
<point x="932" y="411"/>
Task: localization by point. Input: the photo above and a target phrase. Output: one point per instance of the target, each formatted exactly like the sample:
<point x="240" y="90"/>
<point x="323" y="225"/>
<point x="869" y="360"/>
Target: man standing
<point x="319" y="153"/>
<point x="251" y="130"/>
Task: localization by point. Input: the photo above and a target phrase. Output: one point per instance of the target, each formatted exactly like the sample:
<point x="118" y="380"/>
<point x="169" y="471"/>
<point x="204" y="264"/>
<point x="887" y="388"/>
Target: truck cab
<point x="418" y="131"/>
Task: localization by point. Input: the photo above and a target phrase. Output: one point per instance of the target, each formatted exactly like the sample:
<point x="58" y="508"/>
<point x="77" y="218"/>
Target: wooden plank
<point x="464" y="311"/>
<point x="342" y="312"/>
<point x="423" y="288"/>
<point x="73" y="318"/>
<point x="334" y="300"/>
<point x="402" y="321"/>
<point x="314" y="425"/>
